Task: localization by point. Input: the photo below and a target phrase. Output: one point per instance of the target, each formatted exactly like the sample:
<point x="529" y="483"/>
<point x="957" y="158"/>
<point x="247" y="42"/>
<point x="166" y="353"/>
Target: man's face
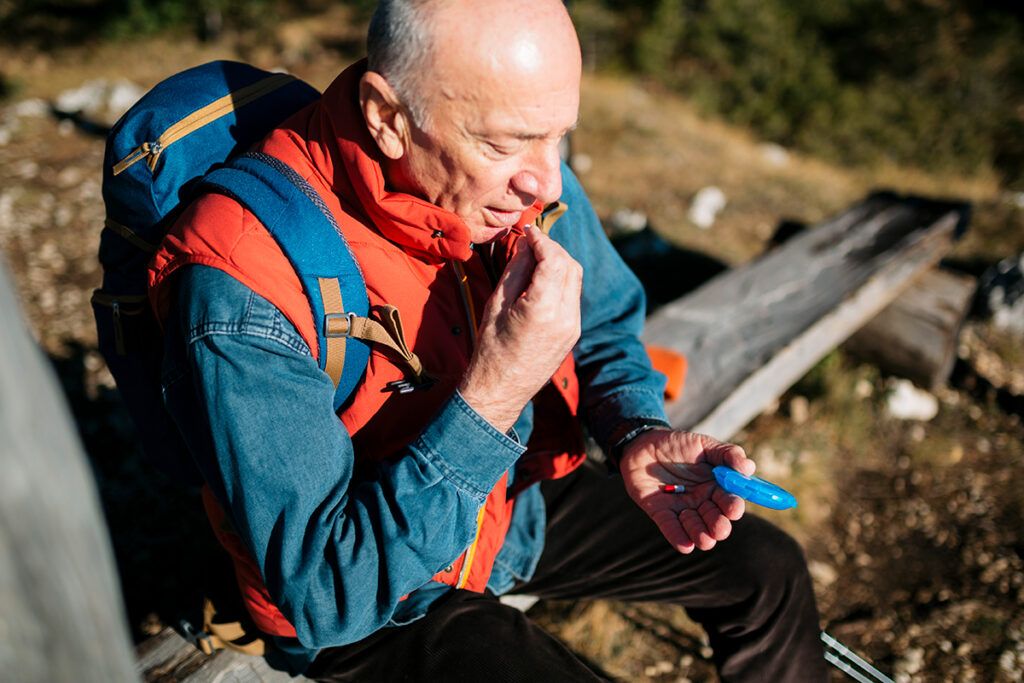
<point x="489" y="147"/>
<point x="488" y="158"/>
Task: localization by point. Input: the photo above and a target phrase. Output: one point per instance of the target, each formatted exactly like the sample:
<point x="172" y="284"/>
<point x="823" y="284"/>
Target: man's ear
<point x="384" y="115"/>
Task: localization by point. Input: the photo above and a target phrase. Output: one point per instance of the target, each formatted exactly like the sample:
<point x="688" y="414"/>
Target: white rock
<point x="69" y="177"/>
<point x="907" y="402"/>
<point x="122" y="95"/>
<point x="706" y="206"/>
<point x="772" y="465"/>
<point x="914" y="659"/>
<point x="823" y="574"/>
<point x="581" y="163"/>
<point x="26" y="169"/>
<point x="90" y="96"/>
<point x="863" y="389"/>
<point x="1010" y="318"/>
<point x="628" y="220"/>
<point x="799" y="410"/>
<point x="776" y="155"/>
<point x="31" y="108"/>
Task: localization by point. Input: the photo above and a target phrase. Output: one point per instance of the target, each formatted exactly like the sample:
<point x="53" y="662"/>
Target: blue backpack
<point x="189" y="135"/>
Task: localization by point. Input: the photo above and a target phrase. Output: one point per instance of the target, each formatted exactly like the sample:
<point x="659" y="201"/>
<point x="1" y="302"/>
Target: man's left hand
<point x="703" y="514"/>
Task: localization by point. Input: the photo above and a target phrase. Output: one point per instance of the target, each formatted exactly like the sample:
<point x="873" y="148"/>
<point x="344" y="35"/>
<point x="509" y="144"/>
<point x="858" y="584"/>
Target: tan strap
<point x="339" y="326"/>
<point x="552" y="212"/>
<point x="335" y="327"/>
<point x="130" y="235"/>
<point x="226" y="636"/>
<point x="388" y="332"/>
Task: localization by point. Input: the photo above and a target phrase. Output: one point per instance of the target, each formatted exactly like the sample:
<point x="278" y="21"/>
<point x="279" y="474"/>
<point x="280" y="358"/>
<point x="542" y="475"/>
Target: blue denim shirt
<point x="339" y="549"/>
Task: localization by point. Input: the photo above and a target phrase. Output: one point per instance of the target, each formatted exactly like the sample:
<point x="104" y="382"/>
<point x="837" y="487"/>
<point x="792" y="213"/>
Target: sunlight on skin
<point x="505" y="90"/>
<point x="703" y="515"/>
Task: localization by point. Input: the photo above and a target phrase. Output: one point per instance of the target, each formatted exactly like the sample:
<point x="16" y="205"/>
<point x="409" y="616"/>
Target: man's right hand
<point x="529" y="326"/>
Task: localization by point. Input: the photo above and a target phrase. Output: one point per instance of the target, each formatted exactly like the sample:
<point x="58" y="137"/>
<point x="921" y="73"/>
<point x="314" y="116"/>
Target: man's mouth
<point x="502" y="218"/>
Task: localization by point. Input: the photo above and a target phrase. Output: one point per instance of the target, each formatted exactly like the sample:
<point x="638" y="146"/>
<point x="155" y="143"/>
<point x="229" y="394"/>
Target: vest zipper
<point x="467" y="301"/>
<point x="470" y="311"/>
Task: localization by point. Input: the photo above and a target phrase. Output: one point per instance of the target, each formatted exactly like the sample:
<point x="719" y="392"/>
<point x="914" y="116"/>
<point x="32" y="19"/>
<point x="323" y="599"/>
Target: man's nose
<point x="541" y="179"/>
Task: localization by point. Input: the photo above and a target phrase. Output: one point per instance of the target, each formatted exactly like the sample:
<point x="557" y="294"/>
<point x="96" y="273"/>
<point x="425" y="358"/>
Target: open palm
<point x="704" y="513"/>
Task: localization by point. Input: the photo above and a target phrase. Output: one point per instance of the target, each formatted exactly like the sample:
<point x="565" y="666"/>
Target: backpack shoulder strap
<point x="310" y="237"/>
<point x="291" y="210"/>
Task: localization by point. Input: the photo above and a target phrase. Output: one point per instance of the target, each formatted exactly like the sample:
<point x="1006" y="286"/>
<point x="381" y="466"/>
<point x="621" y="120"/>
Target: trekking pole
<point x="850" y="663"/>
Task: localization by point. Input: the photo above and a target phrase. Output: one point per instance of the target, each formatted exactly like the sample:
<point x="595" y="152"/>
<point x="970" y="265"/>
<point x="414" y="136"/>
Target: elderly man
<point x="373" y="547"/>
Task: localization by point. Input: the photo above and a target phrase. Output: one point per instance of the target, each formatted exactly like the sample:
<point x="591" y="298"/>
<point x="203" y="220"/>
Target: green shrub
<point x="935" y="83"/>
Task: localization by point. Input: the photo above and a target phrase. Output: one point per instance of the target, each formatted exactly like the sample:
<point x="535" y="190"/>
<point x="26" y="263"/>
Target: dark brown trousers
<point x="752" y="594"/>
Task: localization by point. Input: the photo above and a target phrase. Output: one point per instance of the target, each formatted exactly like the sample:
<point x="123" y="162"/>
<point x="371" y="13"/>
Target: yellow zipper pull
<point x="155" y="150"/>
<point x="140" y="152"/>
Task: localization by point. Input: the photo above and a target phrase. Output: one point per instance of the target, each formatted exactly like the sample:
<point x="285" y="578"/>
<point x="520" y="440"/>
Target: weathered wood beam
<point x="61" y="615"/>
<point x="916" y="336"/>
<point x="753" y="331"/>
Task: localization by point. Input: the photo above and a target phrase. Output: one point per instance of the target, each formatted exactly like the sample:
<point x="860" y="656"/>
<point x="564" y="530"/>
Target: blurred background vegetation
<point x="937" y="84"/>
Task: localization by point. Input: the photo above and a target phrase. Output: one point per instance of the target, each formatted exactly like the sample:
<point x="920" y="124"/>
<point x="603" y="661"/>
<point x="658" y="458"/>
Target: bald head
<point x="444" y="48"/>
<point x="467" y="101"/>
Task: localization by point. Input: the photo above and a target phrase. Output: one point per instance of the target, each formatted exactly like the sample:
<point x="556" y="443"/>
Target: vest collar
<point x="351" y="163"/>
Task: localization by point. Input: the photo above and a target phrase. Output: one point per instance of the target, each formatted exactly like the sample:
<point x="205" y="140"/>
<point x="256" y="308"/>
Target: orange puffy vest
<point x="414" y="256"/>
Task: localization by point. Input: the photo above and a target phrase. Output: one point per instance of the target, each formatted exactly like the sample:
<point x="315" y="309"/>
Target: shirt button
<point x="449" y="568"/>
<point x="565" y="382"/>
<point x="456" y="330"/>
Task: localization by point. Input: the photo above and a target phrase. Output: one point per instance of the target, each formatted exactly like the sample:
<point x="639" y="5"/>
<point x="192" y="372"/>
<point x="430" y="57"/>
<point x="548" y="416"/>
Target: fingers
<point x="557" y="277"/>
<point x="695" y="527"/>
<point x="731" y="506"/>
<point x="729" y="455"/>
<point x="518" y="273"/>
<point x="672" y="530"/>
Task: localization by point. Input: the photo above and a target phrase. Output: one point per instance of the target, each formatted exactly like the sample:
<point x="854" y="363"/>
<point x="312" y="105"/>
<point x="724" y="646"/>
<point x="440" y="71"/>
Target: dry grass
<point x="651" y="151"/>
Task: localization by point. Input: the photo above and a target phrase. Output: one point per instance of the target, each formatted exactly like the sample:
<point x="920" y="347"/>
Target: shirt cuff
<point x="612" y="418"/>
<point x="467" y="449"/>
<point x="631" y="429"/>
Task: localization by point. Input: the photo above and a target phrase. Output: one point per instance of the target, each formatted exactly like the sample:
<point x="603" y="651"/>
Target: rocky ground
<point x="914" y="529"/>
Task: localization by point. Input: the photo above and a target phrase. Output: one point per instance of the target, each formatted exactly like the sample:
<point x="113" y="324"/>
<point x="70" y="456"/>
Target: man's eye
<point x="501" y="150"/>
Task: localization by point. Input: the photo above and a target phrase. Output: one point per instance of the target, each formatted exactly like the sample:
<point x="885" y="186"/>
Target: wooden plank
<point x="916" y="336"/>
<point x="61" y="615"/>
<point x="169" y="657"/>
<point x="751" y="332"/>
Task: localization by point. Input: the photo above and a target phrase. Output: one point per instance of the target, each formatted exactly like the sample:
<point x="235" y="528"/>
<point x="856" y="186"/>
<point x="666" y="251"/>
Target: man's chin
<point x="482" y="234"/>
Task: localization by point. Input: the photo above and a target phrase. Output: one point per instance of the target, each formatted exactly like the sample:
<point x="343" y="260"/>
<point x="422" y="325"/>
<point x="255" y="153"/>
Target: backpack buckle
<point x="338" y="324"/>
<point x="200" y="640"/>
<point x="406" y="386"/>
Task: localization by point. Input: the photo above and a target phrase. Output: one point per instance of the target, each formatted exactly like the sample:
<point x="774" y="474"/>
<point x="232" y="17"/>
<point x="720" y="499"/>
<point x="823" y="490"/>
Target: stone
<point x="705" y="207"/>
<point x="799" y="410"/>
<point x="581" y="163"/>
<point x="626" y="221"/>
<point x="907" y="402"/>
<point x="31" y="108"/>
<point x="775" y="155"/>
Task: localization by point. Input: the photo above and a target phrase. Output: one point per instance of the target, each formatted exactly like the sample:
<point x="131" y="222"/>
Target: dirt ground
<point x="914" y="530"/>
